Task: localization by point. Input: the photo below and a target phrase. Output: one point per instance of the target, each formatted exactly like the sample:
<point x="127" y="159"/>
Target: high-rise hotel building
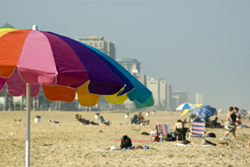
<point x="107" y="47"/>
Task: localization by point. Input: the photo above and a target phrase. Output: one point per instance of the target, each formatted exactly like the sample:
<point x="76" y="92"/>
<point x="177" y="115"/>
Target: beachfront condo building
<point x="141" y="77"/>
<point x="107" y="47"/>
<point x="165" y="95"/>
<point x="169" y="99"/>
<point x="154" y="86"/>
<point x="198" y="98"/>
<point x="131" y="65"/>
<point x="162" y="94"/>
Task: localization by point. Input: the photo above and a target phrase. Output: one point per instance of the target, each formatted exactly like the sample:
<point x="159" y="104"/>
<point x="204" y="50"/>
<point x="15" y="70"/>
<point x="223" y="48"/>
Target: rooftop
<point x="7" y="25"/>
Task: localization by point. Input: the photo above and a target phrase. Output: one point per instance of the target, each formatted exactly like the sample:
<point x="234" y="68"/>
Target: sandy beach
<point x="69" y="143"/>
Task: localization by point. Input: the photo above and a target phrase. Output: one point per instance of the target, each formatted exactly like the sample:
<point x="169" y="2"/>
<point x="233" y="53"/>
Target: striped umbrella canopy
<point x="188" y="110"/>
<point x="184" y="106"/>
<point x="64" y="68"/>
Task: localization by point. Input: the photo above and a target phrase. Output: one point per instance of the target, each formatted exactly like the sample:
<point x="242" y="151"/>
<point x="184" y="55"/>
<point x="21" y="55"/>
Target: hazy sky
<point x="195" y="45"/>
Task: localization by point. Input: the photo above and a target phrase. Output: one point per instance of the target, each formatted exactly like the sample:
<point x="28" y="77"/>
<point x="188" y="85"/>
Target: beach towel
<point x="138" y="141"/>
<point x="181" y="144"/>
<point x="242" y="146"/>
<point x="113" y="148"/>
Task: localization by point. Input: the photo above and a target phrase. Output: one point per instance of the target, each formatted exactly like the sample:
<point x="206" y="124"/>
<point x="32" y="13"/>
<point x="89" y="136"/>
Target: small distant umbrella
<point x="220" y="110"/>
<point x="204" y="112"/>
<point x="242" y="111"/>
<point x="184" y="106"/>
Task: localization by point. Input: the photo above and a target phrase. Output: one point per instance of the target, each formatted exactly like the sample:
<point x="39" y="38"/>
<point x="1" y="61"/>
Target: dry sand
<point x="70" y="143"/>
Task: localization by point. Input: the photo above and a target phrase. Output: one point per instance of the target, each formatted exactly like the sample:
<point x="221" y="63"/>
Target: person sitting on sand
<point x="248" y="144"/>
<point x="125" y="142"/>
<point x="178" y="125"/>
<point x="215" y="123"/>
<point x="206" y="142"/>
<point x="135" y="120"/>
<point x="85" y="121"/>
<point x="207" y="123"/>
<point x="179" y="130"/>
<point x="142" y="119"/>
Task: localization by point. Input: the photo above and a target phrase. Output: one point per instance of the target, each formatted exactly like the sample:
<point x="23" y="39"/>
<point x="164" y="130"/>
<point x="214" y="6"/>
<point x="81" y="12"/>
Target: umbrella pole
<point x="27" y="124"/>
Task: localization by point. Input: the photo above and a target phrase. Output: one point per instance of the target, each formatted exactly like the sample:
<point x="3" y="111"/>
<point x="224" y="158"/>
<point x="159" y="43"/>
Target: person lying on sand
<point x="88" y="122"/>
<point x="206" y="142"/>
<point x="247" y="146"/>
<point x="85" y="121"/>
<point x="135" y="120"/>
<point x="103" y="121"/>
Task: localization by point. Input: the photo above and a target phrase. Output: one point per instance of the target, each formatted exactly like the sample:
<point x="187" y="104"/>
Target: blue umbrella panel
<point x="204" y="112"/>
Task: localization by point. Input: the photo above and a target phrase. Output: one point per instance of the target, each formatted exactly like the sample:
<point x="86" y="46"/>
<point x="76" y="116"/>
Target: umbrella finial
<point x="35" y="27"/>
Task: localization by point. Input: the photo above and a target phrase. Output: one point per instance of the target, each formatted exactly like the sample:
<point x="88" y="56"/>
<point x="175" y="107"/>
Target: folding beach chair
<point x="197" y="130"/>
<point x="162" y="130"/>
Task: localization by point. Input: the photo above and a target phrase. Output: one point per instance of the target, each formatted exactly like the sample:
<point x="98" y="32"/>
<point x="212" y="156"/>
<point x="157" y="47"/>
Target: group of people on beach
<point x="139" y="119"/>
<point x="233" y="121"/>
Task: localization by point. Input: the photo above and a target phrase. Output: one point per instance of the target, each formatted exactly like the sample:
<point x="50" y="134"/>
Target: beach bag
<point x="171" y="137"/>
<point x="155" y="138"/>
<point x="125" y="142"/>
<point x="145" y="133"/>
<point x="211" y="135"/>
<point x="230" y="126"/>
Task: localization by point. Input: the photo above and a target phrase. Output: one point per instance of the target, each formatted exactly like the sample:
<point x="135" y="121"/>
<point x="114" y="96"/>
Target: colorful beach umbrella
<point x="220" y="110"/>
<point x="184" y="106"/>
<point x="188" y="110"/>
<point x="64" y="68"/>
<point x="204" y="112"/>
